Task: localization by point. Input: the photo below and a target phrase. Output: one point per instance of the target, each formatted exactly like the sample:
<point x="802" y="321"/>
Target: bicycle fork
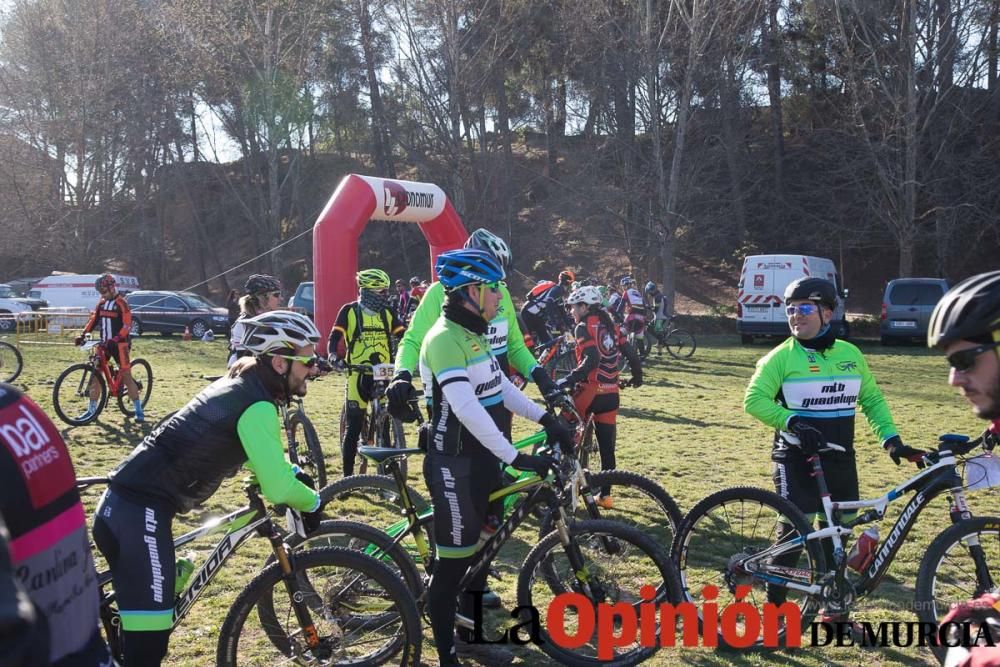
<point x="297" y="597"/>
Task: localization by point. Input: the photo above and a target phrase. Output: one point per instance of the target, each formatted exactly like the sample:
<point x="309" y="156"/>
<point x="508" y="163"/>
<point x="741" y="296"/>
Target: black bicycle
<point x="753" y="537"/>
<point x="11" y="362"/>
<point x="380" y="429"/>
<point x="680" y="343"/>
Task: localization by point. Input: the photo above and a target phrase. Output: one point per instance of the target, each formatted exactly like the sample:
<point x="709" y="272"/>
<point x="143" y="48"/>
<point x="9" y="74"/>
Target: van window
<point x="307" y="293"/>
<point x="915" y="294"/>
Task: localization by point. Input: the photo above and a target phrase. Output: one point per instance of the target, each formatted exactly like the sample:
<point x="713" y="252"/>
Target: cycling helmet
<point x="587" y="294"/>
<point x="970" y="310"/>
<point x="458" y="268"/>
<point x="814" y="289"/>
<point x="375" y="279"/>
<point x="482" y="239"/>
<point x="627" y="280"/>
<point x="414" y="281"/>
<point x="278" y="331"/>
<point x="106" y="281"/>
<point x="261" y="282"/>
<point x="567" y="276"/>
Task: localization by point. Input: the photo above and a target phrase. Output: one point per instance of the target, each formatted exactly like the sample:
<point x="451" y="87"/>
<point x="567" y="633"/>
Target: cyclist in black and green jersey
<point x="470" y="396"/>
<point x="504" y="335"/>
<point x="807" y="389"/>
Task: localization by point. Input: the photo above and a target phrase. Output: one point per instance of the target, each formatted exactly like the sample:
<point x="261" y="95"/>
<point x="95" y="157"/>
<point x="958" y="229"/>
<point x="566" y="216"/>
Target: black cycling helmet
<point x="970" y="310"/>
<point x="819" y="290"/>
<point x="261" y="282"/>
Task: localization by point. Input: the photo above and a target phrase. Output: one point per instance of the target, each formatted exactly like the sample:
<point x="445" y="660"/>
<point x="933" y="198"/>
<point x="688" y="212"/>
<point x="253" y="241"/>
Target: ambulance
<point x="760" y="307"/>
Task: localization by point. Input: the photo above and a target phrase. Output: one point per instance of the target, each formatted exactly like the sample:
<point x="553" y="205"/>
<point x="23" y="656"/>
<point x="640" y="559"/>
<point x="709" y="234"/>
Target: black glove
<point x="398" y="394"/>
<point x="990" y="439"/>
<point x="543" y="380"/>
<point x="811" y="439"/>
<point x="310" y="520"/>
<point x="898" y="451"/>
<point x="78" y="341"/>
<point x="336" y="362"/>
<point x="540" y="465"/>
<point x="556" y="430"/>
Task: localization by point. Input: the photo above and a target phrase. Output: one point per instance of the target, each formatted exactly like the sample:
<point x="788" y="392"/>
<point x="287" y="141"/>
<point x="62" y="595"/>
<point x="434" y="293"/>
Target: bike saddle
<point x="383" y="454"/>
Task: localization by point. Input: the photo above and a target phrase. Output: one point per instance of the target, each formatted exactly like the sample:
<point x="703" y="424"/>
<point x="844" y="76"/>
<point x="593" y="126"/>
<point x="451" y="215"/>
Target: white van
<point x="760" y="306"/>
<point x="76" y="290"/>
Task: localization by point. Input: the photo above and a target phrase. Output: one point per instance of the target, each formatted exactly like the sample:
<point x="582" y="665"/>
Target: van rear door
<point x="755" y="285"/>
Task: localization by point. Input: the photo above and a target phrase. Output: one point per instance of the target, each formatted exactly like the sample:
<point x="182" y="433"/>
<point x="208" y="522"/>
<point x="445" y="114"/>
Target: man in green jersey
<point x="807" y="389"/>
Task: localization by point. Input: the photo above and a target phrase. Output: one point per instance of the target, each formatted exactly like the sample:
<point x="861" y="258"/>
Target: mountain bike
<point x="680" y="343"/>
<point x="71" y="393"/>
<point x="11" y="362"/>
<point x="304" y="451"/>
<point x="556" y="355"/>
<point x="753" y="537"/>
<point x="380" y="429"/>
<point x="335" y="606"/>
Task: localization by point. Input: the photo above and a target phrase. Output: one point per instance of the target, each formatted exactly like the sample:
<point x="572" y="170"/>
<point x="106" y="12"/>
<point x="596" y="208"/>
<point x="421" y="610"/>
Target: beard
<point x="992" y="409"/>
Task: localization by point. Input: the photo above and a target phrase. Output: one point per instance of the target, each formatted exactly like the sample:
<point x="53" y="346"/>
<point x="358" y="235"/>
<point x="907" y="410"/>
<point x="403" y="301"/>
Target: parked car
<point x="907" y="304"/>
<point x="170" y="312"/>
<point x="8" y="292"/>
<point x="302" y="299"/>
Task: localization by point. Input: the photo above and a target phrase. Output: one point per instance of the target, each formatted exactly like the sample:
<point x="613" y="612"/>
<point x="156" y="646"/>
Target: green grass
<point x="684" y="428"/>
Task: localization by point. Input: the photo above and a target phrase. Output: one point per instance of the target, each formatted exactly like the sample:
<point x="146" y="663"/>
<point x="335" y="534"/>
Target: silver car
<point x="907" y="304"/>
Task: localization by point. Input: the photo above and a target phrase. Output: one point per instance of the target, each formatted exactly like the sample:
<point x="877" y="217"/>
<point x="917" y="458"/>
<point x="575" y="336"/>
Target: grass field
<point x="684" y="428"/>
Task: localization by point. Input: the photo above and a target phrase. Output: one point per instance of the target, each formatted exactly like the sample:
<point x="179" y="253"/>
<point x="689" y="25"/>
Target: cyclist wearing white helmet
<point x="232" y="422"/>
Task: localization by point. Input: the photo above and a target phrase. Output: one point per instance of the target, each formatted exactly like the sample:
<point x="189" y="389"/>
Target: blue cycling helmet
<point x="458" y="268"/>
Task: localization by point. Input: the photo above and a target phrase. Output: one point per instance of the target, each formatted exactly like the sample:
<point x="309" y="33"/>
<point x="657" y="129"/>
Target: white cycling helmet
<point x="587" y="294"/>
<point x="278" y="331"/>
<point x="483" y="239"/>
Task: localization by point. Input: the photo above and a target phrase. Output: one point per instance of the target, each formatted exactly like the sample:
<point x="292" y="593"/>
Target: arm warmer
<point x="260" y="434"/>
<point x="474" y="417"/>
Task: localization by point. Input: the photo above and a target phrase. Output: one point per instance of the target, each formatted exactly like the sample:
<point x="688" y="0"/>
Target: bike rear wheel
<point x="363" y="613"/>
<point x="71" y="394"/>
<point x="680" y="344"/>
<point x="142" y="373"/>
<point x="11" y="362"/>
<point x="718" y="542"/>
<point x="962" y="563"/>
<point x="389" y="433"/>
<point x="307" y="452"/>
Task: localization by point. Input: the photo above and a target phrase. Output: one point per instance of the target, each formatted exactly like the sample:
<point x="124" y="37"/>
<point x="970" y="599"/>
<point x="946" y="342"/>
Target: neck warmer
<point x="457" y="313"/>
<point x="373" y="301"/>
<point x="823" y="341"/>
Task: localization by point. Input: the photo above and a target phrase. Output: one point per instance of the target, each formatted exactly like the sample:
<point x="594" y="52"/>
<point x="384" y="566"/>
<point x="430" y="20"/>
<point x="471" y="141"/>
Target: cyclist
<point x="658" y="306"/>
<point x="807" y="389"/>
<point x="599" y="341"/>
<point x="362" y="334"/>
<point x="471" y="395"/>
<point x="262" y="295"/>
<point x="399" y="300"/>
<point x="965" y="326"/>
<point x="634" y="306"/>
<point x="115" y="319"/>
<point x="49" y="550"/>
<point x="543" y="312"/>
<point x="233" y="421"/>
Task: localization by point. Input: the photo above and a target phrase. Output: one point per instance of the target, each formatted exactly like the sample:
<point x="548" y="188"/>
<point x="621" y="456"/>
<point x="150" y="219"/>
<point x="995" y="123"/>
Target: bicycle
<point x="11" y="362"/>
<point x="787" y="557"/>
<point x="680" y="343"/>
<point x="73" y="405"/>
<point x="339" y="606"/>
<point x="556" y="355"/>
<point x="380" y="428"/>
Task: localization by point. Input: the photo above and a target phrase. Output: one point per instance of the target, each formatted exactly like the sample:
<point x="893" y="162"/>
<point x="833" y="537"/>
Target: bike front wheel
<point x="738" y="537"/>
<point x="362" y="614"/>
<point x="71" y="394"/>
<point x="307" y="452"/>
<point x="680" y="344"/>
<point x="962" y="563"/>
<point x="617" y="562"/>
<point x="142" y="374"/>
<point x="389" y="433"/>
<point x="11" y="362"/>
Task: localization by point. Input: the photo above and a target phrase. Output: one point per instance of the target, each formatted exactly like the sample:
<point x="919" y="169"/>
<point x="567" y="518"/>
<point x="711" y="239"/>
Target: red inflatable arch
<point x="357" y="200"/>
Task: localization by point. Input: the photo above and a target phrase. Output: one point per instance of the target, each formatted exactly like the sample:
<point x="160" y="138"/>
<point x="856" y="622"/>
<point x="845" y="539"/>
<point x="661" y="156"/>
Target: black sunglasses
<point x="964" y="360"/>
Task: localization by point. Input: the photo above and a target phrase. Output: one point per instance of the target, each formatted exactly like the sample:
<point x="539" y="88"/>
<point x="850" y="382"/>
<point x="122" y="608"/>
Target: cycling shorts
<point x="120" y="353"/>
<point x="360" y="388"/>
<point x="460" y="487"/>
<point x="793" y="480"/>
<point x="635" y="324"/>
<point x="598" y="400"/>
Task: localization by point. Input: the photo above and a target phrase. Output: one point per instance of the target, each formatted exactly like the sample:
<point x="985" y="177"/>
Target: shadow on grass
<point x="662" y="416"/>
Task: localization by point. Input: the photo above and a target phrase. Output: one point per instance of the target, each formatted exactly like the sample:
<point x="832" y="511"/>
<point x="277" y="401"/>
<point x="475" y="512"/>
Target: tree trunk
<point x="773" y="46"/>
<point x="384" y="164"/>
<point x="907" y="211"/>
<point x="991" y="45"/>
<point x="729" y="103"/>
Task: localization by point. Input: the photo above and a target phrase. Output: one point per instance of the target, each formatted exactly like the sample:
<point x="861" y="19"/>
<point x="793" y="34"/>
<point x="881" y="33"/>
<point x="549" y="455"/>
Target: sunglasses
<point x="963" y="360"/>
<point x="276" y="295"/>
<point x="308" y="362"/>
<point x="802" y="309"/>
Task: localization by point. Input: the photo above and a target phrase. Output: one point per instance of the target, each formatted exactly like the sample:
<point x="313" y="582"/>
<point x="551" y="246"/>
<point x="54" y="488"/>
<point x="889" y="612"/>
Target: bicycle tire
<point x="311" y="460"/>
<point x="374" y="500"/>
<point x="337" y="602"/>
<point x="389" y="433"/>
<point x="561" y="365"/>
<point x="11" y="362"/>
<point x="81" y="392"/>
<point x="703" y="573"/>
<point x="654" y="568"/>
<point x="588" y="444"/>
<point x="143" y="383"/>
<point x="680" y="344"/>
<point x="936" y="571"/>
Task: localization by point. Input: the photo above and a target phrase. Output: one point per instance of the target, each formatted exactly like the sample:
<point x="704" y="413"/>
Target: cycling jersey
<point x="549" y="304"/>
<point x="232" y="422"/>
<point x="49" y="546"/>
<point x="597" y="354"/>
<point x="359" y="333"/>
<point x="114" y="317"/>
<point x="635" y="304"/>
<point x="823" y="388"/>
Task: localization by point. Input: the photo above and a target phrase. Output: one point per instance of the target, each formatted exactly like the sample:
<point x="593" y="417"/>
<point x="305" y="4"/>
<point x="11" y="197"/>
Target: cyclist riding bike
<point x="49" y="551"/>
<point x="471" y="395"/>
<point x="807" y="389"/>
<point x="263" y="294"/>
<point x="965" y="326"/>
<point x="362" y="334"/>
<point x="599" y="341"/>
<point x="635" y="309"/>
<point x="114" y="317"/>
<point x="232" y="422"/>
<point x="543" y="313"/>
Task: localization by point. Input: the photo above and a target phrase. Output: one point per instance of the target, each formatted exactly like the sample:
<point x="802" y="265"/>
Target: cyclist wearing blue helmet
<point x="470" y="394"/>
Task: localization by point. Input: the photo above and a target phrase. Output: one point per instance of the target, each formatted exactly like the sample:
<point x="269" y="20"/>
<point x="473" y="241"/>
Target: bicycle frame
<point x="99" y="361"/>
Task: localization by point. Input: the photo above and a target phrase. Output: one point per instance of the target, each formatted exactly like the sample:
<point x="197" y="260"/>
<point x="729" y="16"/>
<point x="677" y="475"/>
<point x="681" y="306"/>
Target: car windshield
<point x="6" y="292"/>
<point x="197" y="301"/>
